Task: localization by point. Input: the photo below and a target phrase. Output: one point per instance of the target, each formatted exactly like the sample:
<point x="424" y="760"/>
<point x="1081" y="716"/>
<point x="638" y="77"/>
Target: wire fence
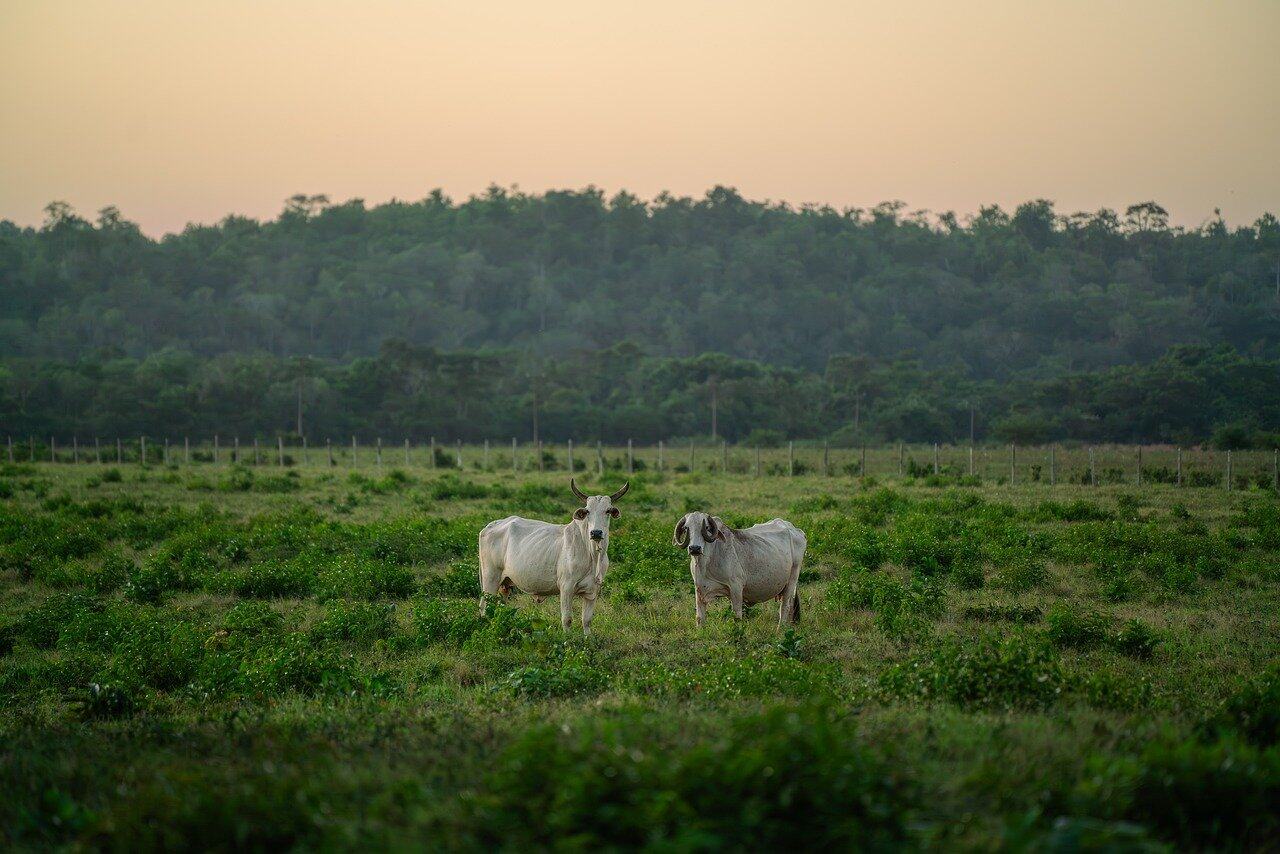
<point x="1089" y="465"/>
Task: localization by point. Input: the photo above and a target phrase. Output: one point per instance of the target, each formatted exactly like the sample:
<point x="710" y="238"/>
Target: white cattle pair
<point x="747" y="565"/>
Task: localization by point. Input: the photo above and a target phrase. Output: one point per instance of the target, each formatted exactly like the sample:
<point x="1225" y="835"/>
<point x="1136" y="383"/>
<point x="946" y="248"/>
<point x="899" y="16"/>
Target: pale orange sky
<point x="182" y="111"/>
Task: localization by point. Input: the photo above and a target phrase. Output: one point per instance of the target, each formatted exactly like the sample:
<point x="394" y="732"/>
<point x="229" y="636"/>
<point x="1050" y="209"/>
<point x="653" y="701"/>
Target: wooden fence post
<point x="280" y="451"/>
<point x="599" y="459"/>
<point x="97" y="449"/>
<point x="354" y="450"/>
<point x="53" y="450"/>
<point x="75" y="449"/>
<point x="690" y="455"/>
<point x="1179" y="481"/>
<point x="515" y="463"/>
<point x="791" y="459"/>
<point x="378" y="453"/>
<point x="33" y="448"/>
<point x="432" y="452"/>
<point x="631" y="460"/>
<point x="306" y="458"/>
<point x="11" y="451"/>
<point x="863" y="465"/>
<point x="1013" y="463"/>
<point x="328" y="446"/>
<point x="571" y="457"/>
<point x="142" y="445"/>
<point x="406" y="450"/>
<point x="165" y="458"/>
<point x="900" y="460"/>
<point x="542" y="466"/>
<point x="486" y="454"/>
<point x="215" y="448"/>
<point x="1139" y="479"/>
<point x="256" y="456"/>
<point x="186" y="450"/>
<point x="1053" y="474"/>
<point x="970" y="459"/>
<point x="757" y="460"/>
<point x="1228" y="470"/>
<point x="936" y="469"/>
<point x="659" y="455"/>
<point x="1275" y="470"/>
<point x="1093" y="472"/>
<point x="826" y="461"/>
<point x="458" y="452"/>
<point x="119" y="451"/>
<point x="724" y="456"/>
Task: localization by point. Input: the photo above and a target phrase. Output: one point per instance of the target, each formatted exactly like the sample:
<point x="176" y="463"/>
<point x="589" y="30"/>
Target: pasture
<point x="254" y="657"/>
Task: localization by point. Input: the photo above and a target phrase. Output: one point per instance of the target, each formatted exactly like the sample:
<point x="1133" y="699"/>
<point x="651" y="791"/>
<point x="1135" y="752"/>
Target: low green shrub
<point x="1251" y="712"/>
<point x="988" y="671"/>
<point x="355" y="622"/>
<point x="1003" y="613"/>
<point x="1069" y="629"/>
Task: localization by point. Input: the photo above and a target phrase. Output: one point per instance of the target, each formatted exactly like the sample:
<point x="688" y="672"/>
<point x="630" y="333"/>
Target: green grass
<point x="228" y="657"/>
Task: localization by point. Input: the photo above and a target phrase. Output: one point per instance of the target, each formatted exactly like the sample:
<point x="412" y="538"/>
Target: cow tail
<point x="795" y="603"/>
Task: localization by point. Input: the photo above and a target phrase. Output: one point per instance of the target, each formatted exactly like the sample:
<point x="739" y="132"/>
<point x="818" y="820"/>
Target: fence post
<point x="215" y="448"/>
<point x="1228" y="470"/>
<point x="165" y="458"/>
<point x="631" y="460"/>
<point x="900" y="460"/>
<point x="515" y="464"/>
<point x="724" y="456"/>
<point x="458" y="451"/>
<point x="328" y="446"/>
<point x="486" y="453"/>
<point x="971" y="459"/>
<point x="936" y="470"/>
<point x="377" y="456"/>
<point x="33" y="448"/>
<point x="659" y="455"/>
<point x="571" y="456"/>
<point x="791" y="459"/>
<point x="542" y="466"/>
<point x="757" y="460"/>
<point x="354" y="450"/>
<point x="75" y="449"/>
<point x="1275" y="470"/>
<point x="1139" y="465"/>
<point x="119" y="451"/>
<point x="433" y="451"/>
<point x="406" y="450"/>
<point x="1013" y="463"/>
<point x="1179" y="481"/>
<point x="97" y="449"/>
<point x="186" y="450"/>
<point x="256" y="456"/>
<point x="1053" y="474"/>
<point x="1093" y="472"/>
<point x="305" y="456"/>
<point x="142" y="445"/>
<point x="11" y="451"/>
<point x="690" y="455"/>
<point x="826" y="462"/>
<point x="53" y="450"/>
<point x="864" y="461"/>
<point x="599" y="459"/>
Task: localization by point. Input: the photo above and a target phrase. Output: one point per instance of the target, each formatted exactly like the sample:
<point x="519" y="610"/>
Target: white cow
<point x="545" y="559"/>
<point x="749" y="566"/>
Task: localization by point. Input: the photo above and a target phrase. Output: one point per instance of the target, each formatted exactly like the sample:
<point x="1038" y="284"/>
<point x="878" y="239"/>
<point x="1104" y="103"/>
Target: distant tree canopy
<point x="622" y="318"/>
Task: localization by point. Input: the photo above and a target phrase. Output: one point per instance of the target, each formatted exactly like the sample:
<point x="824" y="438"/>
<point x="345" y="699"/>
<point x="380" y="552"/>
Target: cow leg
<point x="566" y="609"/>
<point x="490" y="580"/>
<point x="788" y="611"/>
<point x="588" y="611"/>
<point x="735" y="600"/>
<point x="700" y="607"/>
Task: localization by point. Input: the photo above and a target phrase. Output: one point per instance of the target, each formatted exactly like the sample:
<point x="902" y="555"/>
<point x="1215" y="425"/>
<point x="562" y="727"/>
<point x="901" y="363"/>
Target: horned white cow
<point x="545" y="559"/>
<point x="749" y="565"/>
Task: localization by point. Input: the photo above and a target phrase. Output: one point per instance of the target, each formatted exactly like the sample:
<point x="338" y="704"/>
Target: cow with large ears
<point x="749" y="565"/>
<point x="546" y="559"/>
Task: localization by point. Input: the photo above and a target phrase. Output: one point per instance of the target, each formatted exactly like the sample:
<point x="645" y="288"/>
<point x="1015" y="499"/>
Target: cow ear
<point x="681" y="536"/>
<point x="613" y="511"/>
<point x="580" y="513"/>
<point x="718" y="526"/>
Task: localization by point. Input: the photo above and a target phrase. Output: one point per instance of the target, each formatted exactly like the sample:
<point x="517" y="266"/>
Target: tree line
<point x="1190" y="395"/>
<point x="619" y="317"/>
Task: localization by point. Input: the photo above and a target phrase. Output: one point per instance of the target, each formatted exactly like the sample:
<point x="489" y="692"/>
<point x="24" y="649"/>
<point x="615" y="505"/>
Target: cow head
<point x="698" y="533"/>
<point x="596" y="513"/>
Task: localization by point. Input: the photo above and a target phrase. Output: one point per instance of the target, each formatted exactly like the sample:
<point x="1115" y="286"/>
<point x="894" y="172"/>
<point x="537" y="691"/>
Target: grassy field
<point x="239" y="657"/>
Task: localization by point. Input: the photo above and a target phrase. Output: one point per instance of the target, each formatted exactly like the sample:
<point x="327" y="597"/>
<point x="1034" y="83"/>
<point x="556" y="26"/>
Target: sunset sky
<point x="187" y="111"/>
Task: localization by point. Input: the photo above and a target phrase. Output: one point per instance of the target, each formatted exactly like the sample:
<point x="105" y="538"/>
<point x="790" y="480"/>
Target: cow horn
<point x="681" y="536"/>
<point x="621" y="492"/>
<point x="578" y="492"/>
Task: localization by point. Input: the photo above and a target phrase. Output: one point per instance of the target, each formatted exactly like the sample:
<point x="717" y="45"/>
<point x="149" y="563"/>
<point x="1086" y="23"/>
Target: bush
<point x="989" y="671"/>
<point x="1068" y="629"/>
<point x="357" y="622"/>
<point x="1003" y="613"/>
<point x="106" y="701"/>
<point x="619" y="782"/>
<point x="567" y="673"/>
<point x="1135" y="640"/>
<point x="1251" y="712"/>
<point x="460" y="580"/>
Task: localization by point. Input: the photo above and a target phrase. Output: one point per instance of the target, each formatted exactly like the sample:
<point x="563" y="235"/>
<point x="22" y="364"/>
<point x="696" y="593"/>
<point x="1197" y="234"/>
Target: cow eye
<point x="613" y="511"/>
<point x="580" y="513"/>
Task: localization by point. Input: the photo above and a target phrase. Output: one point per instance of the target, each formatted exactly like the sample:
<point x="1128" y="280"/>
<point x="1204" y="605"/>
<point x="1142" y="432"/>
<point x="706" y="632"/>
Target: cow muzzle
<point x="695" y="550"/>
<point x="597" y="535"/>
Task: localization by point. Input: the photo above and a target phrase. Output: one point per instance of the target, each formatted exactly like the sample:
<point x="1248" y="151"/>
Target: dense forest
<point x="572" y="315"/>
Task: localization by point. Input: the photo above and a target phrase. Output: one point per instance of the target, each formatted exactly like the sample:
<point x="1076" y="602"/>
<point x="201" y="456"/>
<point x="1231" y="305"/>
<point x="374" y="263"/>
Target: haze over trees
<point x="619" y="318"/>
